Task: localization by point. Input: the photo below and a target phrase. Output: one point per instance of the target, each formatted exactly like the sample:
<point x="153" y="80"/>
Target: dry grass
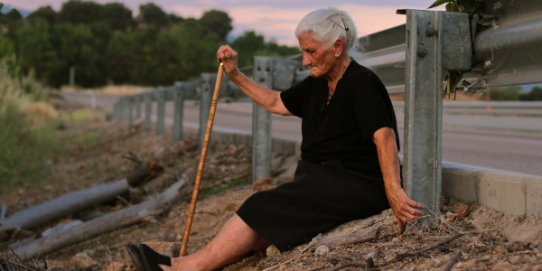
<point x="111" y="90"/>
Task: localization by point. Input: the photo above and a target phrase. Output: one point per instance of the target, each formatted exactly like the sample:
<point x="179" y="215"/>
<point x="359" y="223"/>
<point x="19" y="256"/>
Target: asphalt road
<point x="503" y="142"/>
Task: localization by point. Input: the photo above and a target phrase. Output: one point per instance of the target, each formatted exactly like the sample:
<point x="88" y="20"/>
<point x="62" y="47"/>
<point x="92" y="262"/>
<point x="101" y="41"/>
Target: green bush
<point x="534" y="95"/>
<point x="25" y="145"/>
<point x="504" y="93"/>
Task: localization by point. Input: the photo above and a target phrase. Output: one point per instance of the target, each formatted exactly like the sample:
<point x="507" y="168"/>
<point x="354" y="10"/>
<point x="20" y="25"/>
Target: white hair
<point x="328" y="25"/>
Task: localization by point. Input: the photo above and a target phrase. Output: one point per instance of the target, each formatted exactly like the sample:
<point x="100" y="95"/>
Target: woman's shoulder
<point x="361" y="76"/>
<point x="360" y="72"/>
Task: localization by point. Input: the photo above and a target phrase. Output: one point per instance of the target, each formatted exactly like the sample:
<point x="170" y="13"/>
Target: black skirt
<point x="321" y="197"/>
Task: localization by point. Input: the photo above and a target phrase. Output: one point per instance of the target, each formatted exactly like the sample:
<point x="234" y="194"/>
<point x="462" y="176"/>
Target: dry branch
<point x="359" y="236"/>
<point x="101" y="225"/>
<point x="70" y="203"/>
<point x="425" y="249"/>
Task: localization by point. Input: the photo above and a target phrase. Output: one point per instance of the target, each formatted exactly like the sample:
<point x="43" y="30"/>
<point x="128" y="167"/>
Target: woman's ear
<point x="338" y="47"/>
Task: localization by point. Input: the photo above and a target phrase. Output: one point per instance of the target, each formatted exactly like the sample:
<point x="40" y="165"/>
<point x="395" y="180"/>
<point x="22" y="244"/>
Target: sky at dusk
<point x="275" y="19"/>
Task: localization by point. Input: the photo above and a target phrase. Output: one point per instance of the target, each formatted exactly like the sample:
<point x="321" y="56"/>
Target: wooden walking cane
<point x="202" y="157"/>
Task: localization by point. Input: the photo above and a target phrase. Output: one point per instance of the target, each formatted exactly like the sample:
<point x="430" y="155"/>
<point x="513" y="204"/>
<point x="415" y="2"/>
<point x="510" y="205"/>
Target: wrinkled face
<point x="315" y="56"/>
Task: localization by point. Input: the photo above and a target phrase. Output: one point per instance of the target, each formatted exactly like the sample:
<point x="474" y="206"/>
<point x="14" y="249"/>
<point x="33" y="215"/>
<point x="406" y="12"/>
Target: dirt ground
<point x="466" y="237"/>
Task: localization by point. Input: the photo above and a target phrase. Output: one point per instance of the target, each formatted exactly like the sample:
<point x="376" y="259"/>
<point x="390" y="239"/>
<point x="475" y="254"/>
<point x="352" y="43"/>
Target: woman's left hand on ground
<point x="404" y="209"/>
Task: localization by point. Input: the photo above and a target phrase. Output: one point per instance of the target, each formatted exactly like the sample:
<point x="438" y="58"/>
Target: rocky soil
<point x="464" y="237"/>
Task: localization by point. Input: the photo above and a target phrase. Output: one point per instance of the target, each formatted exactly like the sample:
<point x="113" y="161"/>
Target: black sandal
<point x="146" y="259"/>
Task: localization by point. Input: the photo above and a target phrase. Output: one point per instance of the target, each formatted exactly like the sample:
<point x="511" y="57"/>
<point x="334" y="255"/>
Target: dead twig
<point x="448" y="225"/>
<point x="367" y="262"/>
<point x="359" y="236"/>
<point x="401" y="256"/>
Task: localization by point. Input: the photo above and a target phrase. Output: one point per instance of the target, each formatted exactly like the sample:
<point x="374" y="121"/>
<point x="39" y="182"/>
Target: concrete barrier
<point x="509" y="192"/>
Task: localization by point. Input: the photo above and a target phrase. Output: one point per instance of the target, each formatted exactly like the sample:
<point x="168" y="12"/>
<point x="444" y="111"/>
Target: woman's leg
<point x="234" y="241"/>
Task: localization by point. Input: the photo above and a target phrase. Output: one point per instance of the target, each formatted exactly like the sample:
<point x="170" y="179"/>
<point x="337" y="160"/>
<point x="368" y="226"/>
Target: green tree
<point x="534" y="95"/>
<point x="216" y="21"/>
<point x="122" y="56"/>
<point x="117" y="16"/>
<point x="505" y="93"/>
<point x="179" y="52"/>
<point x="152" y="15"/>
<point x="7" y="56"/>
<point x="251" y="44"/>
<point x="35" y="50"/>
<point x="10" y="19"/>
<point x="6" y="47"/>
<point x="13" y="16"/>
<point x="280" y="50"/>
<point x="247" y="45"/>
<point x="76" y="46"/>
<point x="45" y="13"/>
<point x="80" y="12"/>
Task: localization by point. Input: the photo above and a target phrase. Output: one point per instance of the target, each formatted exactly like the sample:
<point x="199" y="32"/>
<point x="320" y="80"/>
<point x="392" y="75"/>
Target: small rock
<point x="321" y="250"/>
<point x="272" y="251"/>
<point x="262" y="184"/>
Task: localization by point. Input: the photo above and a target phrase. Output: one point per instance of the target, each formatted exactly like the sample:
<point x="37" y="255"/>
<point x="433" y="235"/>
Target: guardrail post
<point x="130" y="108"/>
<point x="436" y="41"/>
<point x="206" y="92"/>
<point x="279" y="75"/>
<point x="137" y="103"/>
<point x="261" y="123"/>
<point x="116" y="110"/>
<point x="178" y="106"/>
<point x="148" y="108"/>
<point x="124" y="108"/>
<point x="160" y="111"/>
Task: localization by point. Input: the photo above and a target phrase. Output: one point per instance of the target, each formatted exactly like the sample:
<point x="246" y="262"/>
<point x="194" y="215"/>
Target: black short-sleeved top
<point x="343" y="129"/>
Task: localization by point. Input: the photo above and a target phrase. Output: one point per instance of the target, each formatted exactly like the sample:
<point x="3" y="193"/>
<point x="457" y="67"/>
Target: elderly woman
<point x="349" y="167"/>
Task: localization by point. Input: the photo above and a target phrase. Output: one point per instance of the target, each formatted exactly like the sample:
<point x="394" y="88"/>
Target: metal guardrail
<point x="506" y="48"/>
<point x="495" y="108"/>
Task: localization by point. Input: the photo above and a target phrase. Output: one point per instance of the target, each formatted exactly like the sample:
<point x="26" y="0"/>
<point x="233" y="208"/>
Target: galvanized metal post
<point x="137" y="100"/>
<point x="124" y="108"/>
<point x="148" y="109"/>
<point x="116" y="107"/>
<point x="178" y="106"/>
<point x="130" y="108"/>
<point x="275" y="74"/>
<point x="261" y="123"/>
<point x="160" y="111"/>
<point x="436" y="42"/>
<point x="206" y="92"/>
